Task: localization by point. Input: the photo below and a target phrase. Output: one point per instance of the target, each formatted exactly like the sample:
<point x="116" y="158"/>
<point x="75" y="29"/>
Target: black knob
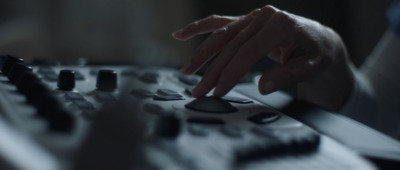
<point x="66" y="80"/>
<point x="9" y="62"/>
<point x="16" y="72"/>
<point x="50" y="109"/>
<point x="25" y="81"/>
<point x="167" y="126"/>
<point x="36" y="91"/>
<point x="106" y="80"/>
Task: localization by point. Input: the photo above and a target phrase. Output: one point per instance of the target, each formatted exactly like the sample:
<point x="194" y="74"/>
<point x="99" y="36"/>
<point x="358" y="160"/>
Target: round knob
<point x="52" y="110"/>
<point x="167" y="126"/>
<point x="16" y="72"/>
<point x="66" y="80"/>
<point x="25" y="81"/>
<point x="36" y="91"/>
<point x="106" y="80"/>
<point x="9" y="62"/>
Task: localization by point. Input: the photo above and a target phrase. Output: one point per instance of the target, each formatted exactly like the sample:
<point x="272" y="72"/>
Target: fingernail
<point x="267" y="87"/>
<point x="177" y="34"/>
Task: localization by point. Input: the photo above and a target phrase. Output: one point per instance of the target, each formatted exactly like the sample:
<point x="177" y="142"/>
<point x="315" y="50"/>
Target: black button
<point x="74" y="96"/>
<point x="264" y="118"/>
<point x="9" y="62"/>
<point x="198" y="129"/>
<point x="25" y="82"/>
<point x="237" y="100"/>
<point x="150" y="77"/>
<point x="16" y="72"/>
<point x="168" y="98"/>
<point x="206" y="120"/>
<point x="66" y="80"/>
<point x="189" y="80"/>
<point x="106" y="80"/>
<point x="232" y="131"/>
<point x="155" y="109"/>
<point x="142" y="93"/>
<point x="211" y="105"/>
<point x="103" y="96"/>
<point x="167" y="92"/>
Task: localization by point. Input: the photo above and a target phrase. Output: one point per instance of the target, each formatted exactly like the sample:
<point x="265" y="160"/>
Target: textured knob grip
<point x="106" y="80"/>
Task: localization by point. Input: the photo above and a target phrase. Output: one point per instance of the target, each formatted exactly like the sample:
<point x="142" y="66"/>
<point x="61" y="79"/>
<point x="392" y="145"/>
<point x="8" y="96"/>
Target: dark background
<point x="360" y="23"/>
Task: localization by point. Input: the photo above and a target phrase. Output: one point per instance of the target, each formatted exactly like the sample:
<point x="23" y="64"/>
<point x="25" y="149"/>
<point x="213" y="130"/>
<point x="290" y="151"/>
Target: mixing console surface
<point x="61" y="109"/>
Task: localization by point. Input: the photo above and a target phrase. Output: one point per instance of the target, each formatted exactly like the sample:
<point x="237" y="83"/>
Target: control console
<point x="64" y="110"/>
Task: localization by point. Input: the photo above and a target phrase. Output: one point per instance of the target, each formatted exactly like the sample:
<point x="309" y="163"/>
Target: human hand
<point x="310" y="54"/>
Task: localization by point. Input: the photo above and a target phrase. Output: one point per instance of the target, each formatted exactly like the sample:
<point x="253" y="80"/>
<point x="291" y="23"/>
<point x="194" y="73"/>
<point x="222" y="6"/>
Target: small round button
<point x="66" y="80"/>
<point x="9" y="62"/>
<point x="106" y="80"/>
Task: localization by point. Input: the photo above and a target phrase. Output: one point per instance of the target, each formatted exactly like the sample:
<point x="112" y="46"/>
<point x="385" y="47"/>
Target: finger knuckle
<point x="283" y="16"/>
<point x="269" y="9"/>
<point x="220" y="31"/>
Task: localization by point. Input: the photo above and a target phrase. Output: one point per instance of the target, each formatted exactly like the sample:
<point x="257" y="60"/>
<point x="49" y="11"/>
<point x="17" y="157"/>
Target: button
<point x="150" y="77"/>
<point x="66" y="80"/>
<point x="206" y="120"/>
<point x="155" y="109"/>
<point x="198" y="129"/>
<point x="9" y="62"/>
<point x="83" y="104"/>
<point x="106" y="97"/>
<point x="167" y="126"/>
<point x="16" y="72"/>
<point x="26" y="80"/>
<point x="232" y="131"/>
<point x="36" y="90"/>
<point x="142" y="93"/>
<point x="106" y="80"/>
<point x="237" y="100"/>
<point x="167" y="92"/>
<point x="168" y="98"/>
<point x="264" y="118"/>
<point x="51" y="76"/>
<point x="189" y="80"/>
<point x="211" y="105"/>
<point x="74" y="96"/>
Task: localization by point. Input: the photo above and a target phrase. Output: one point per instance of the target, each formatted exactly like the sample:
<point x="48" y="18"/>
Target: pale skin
<point x="312" y="56"/>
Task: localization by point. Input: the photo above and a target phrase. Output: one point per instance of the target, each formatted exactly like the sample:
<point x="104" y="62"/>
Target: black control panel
<point x="81" y="117"/>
